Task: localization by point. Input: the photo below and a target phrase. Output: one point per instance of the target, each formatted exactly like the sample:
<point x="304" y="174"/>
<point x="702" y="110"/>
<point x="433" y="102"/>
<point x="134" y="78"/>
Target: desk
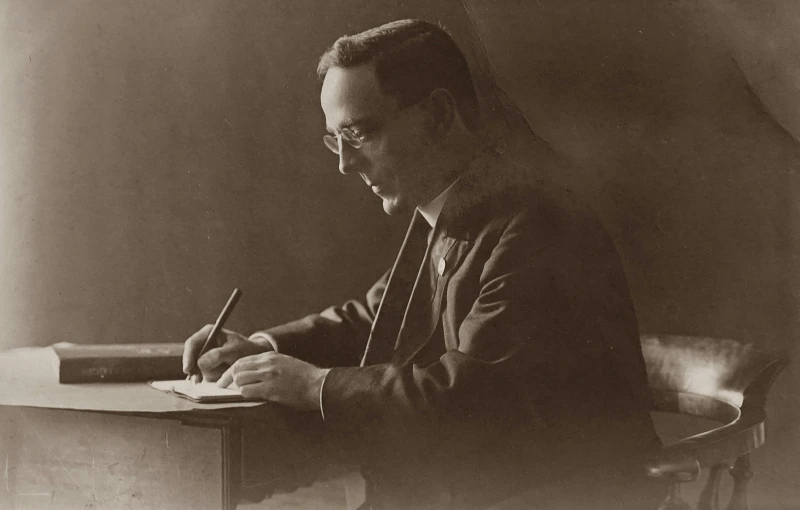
<point x="128" y="446"/>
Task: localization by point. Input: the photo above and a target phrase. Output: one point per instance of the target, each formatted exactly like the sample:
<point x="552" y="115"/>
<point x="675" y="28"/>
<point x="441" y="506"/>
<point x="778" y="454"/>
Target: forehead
<point x="352" y="94"/>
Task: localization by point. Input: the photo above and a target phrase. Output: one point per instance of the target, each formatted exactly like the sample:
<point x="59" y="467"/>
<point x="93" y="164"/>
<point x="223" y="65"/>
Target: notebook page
<point x="199" y="392"/>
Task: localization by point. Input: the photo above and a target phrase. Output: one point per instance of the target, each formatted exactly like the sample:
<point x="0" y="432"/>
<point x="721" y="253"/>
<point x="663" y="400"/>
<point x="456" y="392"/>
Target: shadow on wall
<point x="671" y="143"/>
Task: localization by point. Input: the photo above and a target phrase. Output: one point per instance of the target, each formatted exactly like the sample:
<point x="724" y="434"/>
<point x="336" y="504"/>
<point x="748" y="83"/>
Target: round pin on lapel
<point x="441" y="267"/>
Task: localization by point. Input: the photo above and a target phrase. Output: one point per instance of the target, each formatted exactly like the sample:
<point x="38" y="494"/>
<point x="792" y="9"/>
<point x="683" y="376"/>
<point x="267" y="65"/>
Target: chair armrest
<point x="682" y="461"/>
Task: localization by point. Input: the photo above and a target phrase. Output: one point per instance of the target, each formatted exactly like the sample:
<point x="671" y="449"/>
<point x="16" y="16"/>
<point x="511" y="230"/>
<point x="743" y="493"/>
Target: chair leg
<point x="709" y="498"/>
<point x="741" y="473"/>
<point x="674" y="501"/>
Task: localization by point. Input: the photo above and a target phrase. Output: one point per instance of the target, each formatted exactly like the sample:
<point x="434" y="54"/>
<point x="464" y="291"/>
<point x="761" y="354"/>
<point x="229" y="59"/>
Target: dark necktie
<point x="396" y="297"/>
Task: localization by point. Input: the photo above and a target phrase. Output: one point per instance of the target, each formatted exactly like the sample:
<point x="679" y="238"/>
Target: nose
<point x="347" y="157"/>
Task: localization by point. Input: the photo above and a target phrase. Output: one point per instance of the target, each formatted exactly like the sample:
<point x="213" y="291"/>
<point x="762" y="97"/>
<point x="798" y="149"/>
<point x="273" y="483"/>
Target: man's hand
<point x="229" y="347"/>
<point x="277" y="378"/>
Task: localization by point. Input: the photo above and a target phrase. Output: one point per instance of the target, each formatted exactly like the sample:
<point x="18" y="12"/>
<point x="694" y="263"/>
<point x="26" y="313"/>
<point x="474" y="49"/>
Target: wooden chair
<point x="718" y="379"/>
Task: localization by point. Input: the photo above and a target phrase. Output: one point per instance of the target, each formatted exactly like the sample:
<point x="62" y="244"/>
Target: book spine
<point x="118" y="370"/>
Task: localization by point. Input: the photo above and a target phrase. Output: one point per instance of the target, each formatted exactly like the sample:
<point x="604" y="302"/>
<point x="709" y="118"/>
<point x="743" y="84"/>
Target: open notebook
<point x="204" y="392"/>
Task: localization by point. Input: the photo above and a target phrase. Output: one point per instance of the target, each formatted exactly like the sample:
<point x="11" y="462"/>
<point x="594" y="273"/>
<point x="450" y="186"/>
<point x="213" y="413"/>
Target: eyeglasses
<point x="353" y="137"/>
<point x="354" y="140"/>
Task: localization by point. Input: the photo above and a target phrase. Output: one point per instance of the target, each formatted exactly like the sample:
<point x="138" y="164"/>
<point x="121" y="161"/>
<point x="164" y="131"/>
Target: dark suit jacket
<point x="525" y="366"/>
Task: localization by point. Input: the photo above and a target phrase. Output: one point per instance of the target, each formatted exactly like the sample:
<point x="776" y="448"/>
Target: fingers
<point x="252" y="376"/>
<point x="275" y="377"/>
<point x="226" y="378"/>
<point x="216" y="360"/>
<point x="248" y="370"/>
<point x="255" y="362"/>
<point x="192" y="346"/>
<point x="226" y="349"/>
<point x="216" y="357"/>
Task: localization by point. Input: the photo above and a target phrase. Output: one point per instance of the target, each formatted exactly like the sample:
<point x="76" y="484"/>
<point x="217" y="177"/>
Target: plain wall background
<point x="153" y="155"/>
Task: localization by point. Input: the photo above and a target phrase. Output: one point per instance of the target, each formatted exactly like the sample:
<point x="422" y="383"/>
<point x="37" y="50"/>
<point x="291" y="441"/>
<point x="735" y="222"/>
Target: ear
<point x="443" y="112"/>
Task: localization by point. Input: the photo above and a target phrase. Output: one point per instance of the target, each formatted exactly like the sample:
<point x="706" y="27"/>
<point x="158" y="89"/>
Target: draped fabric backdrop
<point x="153" y="155"/>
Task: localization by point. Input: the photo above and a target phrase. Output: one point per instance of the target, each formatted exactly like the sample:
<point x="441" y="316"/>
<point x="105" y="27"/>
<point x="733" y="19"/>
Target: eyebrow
<point x="348" y="124"/>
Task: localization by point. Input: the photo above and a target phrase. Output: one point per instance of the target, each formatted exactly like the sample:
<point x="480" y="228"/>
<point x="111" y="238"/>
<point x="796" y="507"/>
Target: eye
<point x="358" y="133"/>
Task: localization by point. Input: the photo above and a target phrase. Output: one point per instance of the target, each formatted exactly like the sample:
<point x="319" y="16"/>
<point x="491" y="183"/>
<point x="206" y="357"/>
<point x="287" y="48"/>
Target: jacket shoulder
<point x="495" y="200"/>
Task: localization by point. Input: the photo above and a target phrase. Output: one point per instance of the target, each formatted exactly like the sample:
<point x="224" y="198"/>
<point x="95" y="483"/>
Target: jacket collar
<point x="472" y="195"/>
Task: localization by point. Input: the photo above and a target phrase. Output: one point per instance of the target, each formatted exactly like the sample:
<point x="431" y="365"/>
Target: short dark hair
<point x="412" y="58"/>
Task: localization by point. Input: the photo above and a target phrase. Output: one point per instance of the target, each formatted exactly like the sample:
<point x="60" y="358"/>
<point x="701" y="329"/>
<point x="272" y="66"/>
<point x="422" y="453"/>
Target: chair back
<point x="732" y="372"/>
<point x="720" y="379"/>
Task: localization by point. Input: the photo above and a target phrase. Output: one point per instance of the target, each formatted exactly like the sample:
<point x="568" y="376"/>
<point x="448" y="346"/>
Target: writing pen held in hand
<point x="212" y="335"/>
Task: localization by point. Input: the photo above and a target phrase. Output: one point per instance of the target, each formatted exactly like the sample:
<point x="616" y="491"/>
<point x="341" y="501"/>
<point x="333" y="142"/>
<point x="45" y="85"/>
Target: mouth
<point x="375" y="187"/>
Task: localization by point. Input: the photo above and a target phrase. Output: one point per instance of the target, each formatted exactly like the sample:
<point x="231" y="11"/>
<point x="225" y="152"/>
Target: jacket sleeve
<point x="335" y="337"/>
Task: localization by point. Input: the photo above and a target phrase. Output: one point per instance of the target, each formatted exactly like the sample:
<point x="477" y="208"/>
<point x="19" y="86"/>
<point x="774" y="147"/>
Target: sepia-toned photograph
<point x="399" y="255"/>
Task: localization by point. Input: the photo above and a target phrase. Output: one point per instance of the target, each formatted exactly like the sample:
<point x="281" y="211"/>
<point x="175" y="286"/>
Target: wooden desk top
<point x="27" y="378"/>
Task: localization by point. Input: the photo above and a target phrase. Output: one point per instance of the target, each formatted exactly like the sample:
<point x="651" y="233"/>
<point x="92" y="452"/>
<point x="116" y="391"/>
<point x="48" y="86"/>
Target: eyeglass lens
<point x="332" y="142"/>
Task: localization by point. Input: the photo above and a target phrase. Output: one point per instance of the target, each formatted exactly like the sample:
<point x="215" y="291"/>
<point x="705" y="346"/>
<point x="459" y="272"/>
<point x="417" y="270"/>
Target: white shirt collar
<point x="433" y="209"/>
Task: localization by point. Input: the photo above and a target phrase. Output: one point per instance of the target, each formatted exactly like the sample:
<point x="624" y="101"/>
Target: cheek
<point x="402" y="144"/>
<point x="385" y="158"/>
<point x="398" y="158"/>
<point x="399" y="155"/>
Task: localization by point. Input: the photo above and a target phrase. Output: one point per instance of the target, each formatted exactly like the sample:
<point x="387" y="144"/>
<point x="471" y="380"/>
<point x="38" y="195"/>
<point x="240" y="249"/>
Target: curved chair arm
<point x="718" y="379"/>
<point x="682" y="461"/>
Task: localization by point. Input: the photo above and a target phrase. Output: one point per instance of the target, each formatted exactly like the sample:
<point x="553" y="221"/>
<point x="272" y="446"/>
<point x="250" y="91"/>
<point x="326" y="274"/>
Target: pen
<point x="212" y="335"/>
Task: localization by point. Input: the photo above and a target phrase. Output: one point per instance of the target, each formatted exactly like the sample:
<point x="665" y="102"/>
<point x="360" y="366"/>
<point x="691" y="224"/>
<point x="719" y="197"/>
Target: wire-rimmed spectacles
<point x="354" y="139"/>
<point x="347" y="135"/>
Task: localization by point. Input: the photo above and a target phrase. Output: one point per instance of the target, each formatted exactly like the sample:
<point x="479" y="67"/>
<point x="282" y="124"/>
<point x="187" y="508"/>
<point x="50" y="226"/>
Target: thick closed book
<point x="78" y="363"/>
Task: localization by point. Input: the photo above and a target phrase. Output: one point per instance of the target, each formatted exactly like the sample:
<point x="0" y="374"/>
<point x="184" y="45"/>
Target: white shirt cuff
<point x="261" y="338"/>
<point x="324" y="378"/>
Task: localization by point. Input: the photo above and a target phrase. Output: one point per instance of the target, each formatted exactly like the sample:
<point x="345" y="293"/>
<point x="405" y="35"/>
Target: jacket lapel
<point x="396" y="295"/>
<point x="425" y="307"/>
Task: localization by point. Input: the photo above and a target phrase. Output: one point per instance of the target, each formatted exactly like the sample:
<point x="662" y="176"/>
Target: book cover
<point x="79" y="363"/>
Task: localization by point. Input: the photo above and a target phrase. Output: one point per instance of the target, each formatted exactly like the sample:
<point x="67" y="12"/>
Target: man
<point x="501" y="352"/>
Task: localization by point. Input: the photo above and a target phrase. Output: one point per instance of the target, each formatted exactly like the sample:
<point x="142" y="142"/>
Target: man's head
<point x="400" y="104"/>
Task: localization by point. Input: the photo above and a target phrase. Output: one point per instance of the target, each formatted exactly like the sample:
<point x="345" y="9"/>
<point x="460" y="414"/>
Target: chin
<point x="393" y="207"/>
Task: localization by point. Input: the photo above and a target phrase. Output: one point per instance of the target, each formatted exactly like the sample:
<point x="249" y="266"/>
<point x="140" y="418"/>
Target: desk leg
<point x="231" y="464"/>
